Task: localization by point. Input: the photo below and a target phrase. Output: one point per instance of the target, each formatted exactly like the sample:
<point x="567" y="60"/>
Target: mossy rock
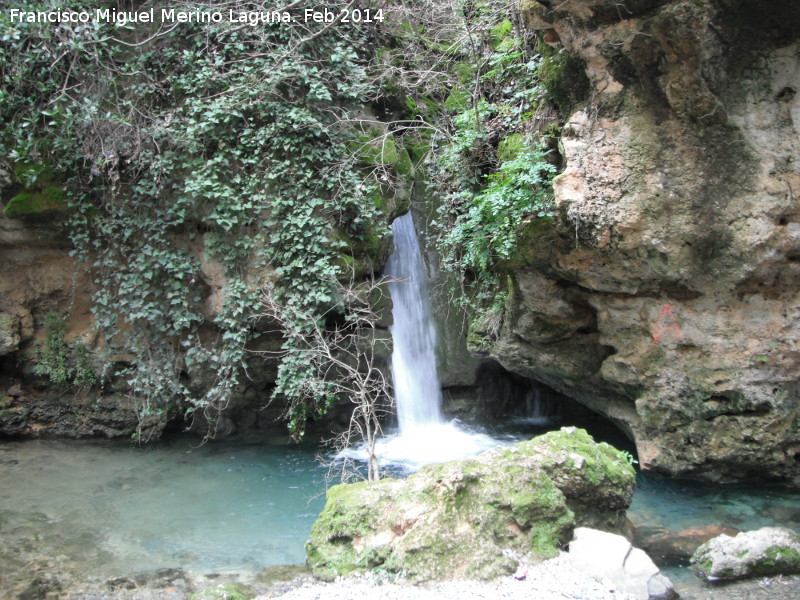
<point x="760" y="553"/>
<point x="280" y="574"/>
<point x="404" y="165"/>
<point x="464" y="71"/>
<point x="376" y="148"/>
<point x="563" y="75"/>
<point x="224" y="591"/>
<point x="42" y="198"/>
<point x="500" y="32"/>
<point x="460" y="519"/>
<point x="47" y="202"/>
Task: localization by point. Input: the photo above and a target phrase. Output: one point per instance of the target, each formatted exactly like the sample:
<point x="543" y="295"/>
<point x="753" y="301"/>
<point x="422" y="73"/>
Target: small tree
<point x="336" y="357"/>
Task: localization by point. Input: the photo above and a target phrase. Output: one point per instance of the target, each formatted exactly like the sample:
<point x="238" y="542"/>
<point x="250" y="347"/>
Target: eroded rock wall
<point x="668" y="298"/>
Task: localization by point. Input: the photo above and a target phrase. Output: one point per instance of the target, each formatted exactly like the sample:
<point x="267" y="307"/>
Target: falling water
<point x="416" y="382"/>
<point x="424" y="436"/>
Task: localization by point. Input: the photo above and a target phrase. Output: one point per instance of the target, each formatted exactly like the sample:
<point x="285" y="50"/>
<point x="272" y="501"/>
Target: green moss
<point x="404" y="166"/>
<point x="464" y="71"/>
<point x="500" y="32"/>
<point x="418" y="146"/>
<point x="36" y="203"/>
<point x="224" y="591"/>
<point x="378" y="199"/>
<point x="779" y="559"/>
<point x="563" y="76"/>
<point x="510" y="147"/>
<point x="280" y="573"/>
<point x="460" y="519"/>
<point x="458" y="101"/>
<point x="41" y="195"/>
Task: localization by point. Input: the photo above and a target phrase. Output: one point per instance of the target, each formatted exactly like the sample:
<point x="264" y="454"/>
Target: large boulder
<point x="471" y="518"/>
<point x="766" y="551"/>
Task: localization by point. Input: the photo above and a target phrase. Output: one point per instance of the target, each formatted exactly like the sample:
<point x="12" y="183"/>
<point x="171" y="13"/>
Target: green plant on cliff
<point x="486" y="232"/>
<point x="62" y="363"/>
<point x="215" y="142"/>
<point x="494" y="171"/>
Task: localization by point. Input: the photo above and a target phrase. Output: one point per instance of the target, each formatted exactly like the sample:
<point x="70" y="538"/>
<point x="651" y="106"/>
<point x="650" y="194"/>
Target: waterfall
<point x="417" y="392"/>
<point x="424" y="436"/>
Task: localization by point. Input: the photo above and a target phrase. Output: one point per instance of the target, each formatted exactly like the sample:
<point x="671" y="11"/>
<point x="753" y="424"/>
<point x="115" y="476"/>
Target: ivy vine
<point x="203" y="142"/>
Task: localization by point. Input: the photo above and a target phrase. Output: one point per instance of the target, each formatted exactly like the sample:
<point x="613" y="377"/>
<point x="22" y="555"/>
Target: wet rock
<point x="675" y="548"/>
<point x="763" y="552"/>
<point x="121" y="583"/>
<point x="43" y="586"/>
<point x="224" y="591"/>
<point x="609" y="557"/>
<point x="471" y="518"/>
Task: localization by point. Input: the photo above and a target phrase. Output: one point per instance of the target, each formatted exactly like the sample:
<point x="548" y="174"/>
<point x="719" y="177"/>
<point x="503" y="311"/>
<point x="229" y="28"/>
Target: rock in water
<point x="765" y="551"/>
<point x="609" y="557"/>
<point x="469" y="518"/>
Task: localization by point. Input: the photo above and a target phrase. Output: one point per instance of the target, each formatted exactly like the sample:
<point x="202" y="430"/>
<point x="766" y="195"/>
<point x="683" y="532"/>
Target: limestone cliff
<point x="668" y="298"/>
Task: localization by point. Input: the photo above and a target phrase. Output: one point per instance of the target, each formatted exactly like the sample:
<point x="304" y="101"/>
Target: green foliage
<point x="494" y="170"/>
<point x="62" y="363"/>
<point x="487" y="231"/>
<point x="207" y="132"/>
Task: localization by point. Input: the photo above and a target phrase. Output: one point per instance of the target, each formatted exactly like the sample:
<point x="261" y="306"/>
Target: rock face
<point x="766" y="551"/>
<point x="38" y="278"/>
<point x="470" y="518"/>
<point x="609" y="557"/>
<point x="667" y="298"/>
<point x="675" y="548"/>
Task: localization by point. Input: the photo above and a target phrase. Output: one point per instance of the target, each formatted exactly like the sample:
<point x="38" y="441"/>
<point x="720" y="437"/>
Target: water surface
<point x="109" y="509"/>
<point x="97" y="510"/>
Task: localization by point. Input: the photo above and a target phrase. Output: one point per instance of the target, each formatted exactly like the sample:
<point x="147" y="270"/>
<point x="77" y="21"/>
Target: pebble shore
<point x="555" y="579"/>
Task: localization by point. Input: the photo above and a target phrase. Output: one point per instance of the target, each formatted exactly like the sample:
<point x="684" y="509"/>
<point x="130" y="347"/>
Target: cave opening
<point x="522" y="406"/>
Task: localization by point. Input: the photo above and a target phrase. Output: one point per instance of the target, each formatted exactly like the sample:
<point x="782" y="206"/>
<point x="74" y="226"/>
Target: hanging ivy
<point x="220" y="133"/>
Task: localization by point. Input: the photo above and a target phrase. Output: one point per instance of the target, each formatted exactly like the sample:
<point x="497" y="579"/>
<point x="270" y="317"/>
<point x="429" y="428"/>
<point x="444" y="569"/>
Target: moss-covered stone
<point x="224" y="591"/>
<point x="500" y="32"/>
<point x="42" y="196"/>
<point x="280" y="574"/>
<point x="39" y="203"/>
<point x="459" y="100"/>
<point x="378" y="148"/>
<point x="404" y="165"/>
<point x="460" y="519"/>
<point x="764" y="552"/>
<point x="563" y="75"/>
<point x="464" y="71"/>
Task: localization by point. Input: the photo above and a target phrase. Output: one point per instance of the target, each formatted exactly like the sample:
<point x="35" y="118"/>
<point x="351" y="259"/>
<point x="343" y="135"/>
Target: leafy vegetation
<point x="492" y="155"/>
<point x="204" y="142"/>
<point x="60" y="362"/>
<point x="207" y="162"/>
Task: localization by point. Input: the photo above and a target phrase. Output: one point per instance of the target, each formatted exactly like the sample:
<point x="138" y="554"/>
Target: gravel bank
<point x="555" y="579"/>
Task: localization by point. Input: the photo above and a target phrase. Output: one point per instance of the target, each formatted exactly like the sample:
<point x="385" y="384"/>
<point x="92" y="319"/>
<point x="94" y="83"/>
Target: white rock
<point x="765" y="551"/>
<point x="603" y="555"/>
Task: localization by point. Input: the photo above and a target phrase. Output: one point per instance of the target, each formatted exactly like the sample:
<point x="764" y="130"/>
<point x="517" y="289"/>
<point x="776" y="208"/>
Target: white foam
<point x="427" y="444"/>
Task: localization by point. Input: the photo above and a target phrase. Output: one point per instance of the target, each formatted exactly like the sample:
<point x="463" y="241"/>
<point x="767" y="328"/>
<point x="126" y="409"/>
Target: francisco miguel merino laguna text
<point x="168" y="15"/>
